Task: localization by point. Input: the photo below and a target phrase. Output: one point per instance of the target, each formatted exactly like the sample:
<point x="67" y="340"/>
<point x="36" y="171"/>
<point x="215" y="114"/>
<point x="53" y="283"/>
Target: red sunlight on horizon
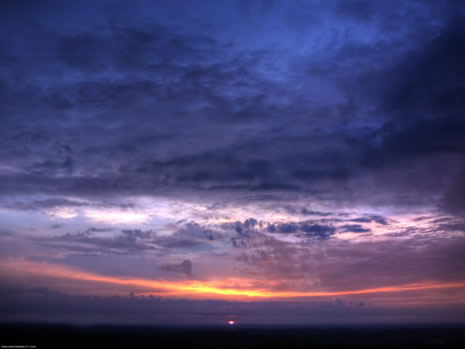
<point x="228" y="288"/>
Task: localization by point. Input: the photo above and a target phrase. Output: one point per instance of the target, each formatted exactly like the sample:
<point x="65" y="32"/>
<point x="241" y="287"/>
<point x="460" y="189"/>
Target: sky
<point x="266" y="162"/>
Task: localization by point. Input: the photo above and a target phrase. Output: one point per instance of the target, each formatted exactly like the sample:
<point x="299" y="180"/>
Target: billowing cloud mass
<point x="276" y="161"/>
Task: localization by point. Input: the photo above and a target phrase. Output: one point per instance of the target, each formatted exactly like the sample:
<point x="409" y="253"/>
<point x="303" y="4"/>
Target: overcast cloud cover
<point x="286" y="146"/>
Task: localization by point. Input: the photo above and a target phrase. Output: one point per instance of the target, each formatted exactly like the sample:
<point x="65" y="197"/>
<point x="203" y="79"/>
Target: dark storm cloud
<point x="154" y="101"/>
<point x="423" y="93"/>
<point x="418" y="146"/>
<point x="188" y="79"/>
<point x="428" y="83"/>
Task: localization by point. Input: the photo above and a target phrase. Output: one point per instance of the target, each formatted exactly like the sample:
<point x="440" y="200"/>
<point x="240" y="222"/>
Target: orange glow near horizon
<point x="231" y="288"/>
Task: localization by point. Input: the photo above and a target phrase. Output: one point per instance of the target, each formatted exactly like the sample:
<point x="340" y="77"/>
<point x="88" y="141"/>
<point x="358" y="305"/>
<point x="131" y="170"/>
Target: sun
<point x="231" y="322"/>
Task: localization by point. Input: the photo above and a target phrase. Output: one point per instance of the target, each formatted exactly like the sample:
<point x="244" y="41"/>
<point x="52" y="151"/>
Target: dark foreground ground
<point x="48" y="336"/>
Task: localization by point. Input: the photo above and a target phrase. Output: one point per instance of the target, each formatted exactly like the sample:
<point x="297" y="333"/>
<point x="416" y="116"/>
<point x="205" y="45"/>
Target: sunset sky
<point x="263" y="162"/>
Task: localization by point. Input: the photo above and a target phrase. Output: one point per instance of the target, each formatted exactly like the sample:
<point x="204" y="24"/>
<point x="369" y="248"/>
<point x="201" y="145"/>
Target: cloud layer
<point x="300" y="146"/>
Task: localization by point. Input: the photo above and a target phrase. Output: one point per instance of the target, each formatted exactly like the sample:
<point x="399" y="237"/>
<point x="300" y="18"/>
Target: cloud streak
<point x="206" y="289"/>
